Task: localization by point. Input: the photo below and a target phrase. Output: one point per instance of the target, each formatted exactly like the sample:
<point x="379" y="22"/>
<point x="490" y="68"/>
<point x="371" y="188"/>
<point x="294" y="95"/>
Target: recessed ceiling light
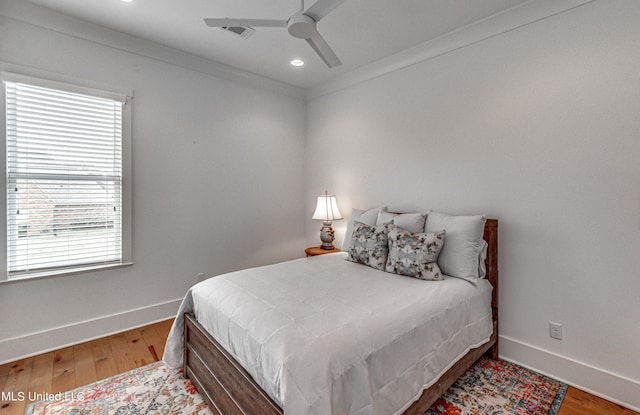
<point x="297" y="62"/>
<point x="127" y="1"/>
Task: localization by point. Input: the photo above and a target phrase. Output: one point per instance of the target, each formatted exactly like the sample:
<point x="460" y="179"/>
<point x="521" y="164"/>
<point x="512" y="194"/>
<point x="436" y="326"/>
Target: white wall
<point x="538" y="127"/>
<point x="217" y="179"/>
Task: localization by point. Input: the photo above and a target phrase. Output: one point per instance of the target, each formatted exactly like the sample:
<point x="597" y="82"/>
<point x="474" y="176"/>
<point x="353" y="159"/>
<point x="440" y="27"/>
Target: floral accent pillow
<point x="369" y="245"/>
<point x="415" y="254"/>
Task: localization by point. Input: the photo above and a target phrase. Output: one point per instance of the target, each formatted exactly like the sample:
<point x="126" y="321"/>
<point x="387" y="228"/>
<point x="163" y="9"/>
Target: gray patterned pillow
<point x="414" y="254"/>
<point x="369" y="245"/>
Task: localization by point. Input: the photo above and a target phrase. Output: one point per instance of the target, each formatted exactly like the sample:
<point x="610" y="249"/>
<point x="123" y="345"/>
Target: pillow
<point x="482" y="265"/>
<point x="413" y="222"/>
<point x="369" y="245"/>
<point x="368" y="217"/>
<point x="415" y="254"/>
<point x="460" y="253"/>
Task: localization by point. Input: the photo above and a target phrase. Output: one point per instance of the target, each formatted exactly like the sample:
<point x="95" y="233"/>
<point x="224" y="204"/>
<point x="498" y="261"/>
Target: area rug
<point x="492" y="387"/>
<point x="488" y="388"/>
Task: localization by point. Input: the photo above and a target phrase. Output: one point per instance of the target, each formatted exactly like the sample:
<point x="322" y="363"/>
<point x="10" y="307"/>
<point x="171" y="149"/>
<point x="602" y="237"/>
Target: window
<point x="65" y="207"/>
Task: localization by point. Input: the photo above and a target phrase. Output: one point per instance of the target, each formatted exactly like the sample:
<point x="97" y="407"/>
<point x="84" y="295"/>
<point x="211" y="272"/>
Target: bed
<point x="347" y="354"/>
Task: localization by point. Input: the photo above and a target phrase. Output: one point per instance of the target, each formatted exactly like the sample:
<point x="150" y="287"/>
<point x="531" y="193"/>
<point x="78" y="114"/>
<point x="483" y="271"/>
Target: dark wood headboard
<point x="491" y="236"/>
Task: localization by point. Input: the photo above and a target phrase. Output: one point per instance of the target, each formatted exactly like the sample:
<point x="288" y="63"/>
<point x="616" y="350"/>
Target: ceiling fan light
<point x="301" y="26"/>
<point x="297" y="62"/>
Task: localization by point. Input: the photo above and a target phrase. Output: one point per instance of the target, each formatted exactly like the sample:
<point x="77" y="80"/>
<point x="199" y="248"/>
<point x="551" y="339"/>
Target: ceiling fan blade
<point x="323" y="49"/>
<point x="321" y="8"/>
<point x="226" y="22"/>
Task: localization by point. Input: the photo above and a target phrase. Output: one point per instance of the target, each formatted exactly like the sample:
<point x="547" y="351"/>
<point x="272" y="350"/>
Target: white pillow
<point x="462" y="245"/>
<point x="482" y="265"/>
<point x="412" y="222"/>
<point x="368" y="217"/>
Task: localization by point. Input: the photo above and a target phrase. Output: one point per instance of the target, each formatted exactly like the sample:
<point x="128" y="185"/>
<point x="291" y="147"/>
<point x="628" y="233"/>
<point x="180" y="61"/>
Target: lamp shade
<point x="327" y="208"/>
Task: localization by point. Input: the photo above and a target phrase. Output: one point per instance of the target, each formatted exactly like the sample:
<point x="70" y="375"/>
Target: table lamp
<point x="327" y="211"/>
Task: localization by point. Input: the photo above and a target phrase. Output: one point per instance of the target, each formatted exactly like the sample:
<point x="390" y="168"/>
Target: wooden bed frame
<point x="229" y="390"/>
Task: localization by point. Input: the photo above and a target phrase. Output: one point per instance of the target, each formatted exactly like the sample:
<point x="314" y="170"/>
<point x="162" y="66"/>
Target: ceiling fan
<point x="301" y="25"/>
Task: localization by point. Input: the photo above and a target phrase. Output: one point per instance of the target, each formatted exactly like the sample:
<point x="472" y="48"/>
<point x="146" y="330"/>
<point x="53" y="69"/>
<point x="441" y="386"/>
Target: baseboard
<point x="599" y="382"/>
<point x="607" y="385"/>
<point x="52" y="339"/>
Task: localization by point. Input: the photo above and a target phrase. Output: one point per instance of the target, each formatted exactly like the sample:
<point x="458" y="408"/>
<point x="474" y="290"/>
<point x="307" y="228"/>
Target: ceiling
<point x="359" y="31"/>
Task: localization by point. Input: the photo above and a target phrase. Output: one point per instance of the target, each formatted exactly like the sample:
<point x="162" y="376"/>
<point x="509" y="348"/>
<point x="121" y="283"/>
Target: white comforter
<point x="325" y="336"/>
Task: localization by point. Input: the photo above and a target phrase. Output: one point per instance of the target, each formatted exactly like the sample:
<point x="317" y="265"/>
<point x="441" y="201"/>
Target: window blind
<point x="64" y="179"/>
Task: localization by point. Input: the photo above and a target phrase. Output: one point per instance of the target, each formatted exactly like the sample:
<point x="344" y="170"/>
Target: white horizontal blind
<point x="64" y="173"/>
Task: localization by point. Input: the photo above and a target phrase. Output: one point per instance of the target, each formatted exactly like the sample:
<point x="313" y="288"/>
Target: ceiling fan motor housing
<point x="301" y="26"/>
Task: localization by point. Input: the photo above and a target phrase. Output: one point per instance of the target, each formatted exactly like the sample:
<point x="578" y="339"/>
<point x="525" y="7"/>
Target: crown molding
<point x="506" y="21"/>
<point x="41" y="17"/>
<point x="492" y="26"/>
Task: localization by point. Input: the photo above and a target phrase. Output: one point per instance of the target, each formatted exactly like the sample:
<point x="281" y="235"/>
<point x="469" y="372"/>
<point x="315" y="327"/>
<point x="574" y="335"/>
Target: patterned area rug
<point x="493" y="387"/>
<point x="488" y="388"/>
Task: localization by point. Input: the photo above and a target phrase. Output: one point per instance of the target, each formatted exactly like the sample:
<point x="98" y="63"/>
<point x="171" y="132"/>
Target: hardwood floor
<point x="578" y="402"/>
<point x="75" y="366"/>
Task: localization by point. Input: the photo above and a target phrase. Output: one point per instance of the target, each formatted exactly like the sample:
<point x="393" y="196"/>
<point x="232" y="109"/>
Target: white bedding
<point x="325" y="336"/>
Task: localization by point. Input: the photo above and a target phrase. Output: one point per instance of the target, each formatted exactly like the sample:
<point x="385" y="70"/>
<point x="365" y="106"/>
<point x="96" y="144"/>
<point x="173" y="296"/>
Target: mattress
<point x="322" y="335"/>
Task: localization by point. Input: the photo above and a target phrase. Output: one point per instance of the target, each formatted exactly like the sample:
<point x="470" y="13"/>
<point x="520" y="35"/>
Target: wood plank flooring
<point x="578" y="402"/>
<point x="78" y="365"/>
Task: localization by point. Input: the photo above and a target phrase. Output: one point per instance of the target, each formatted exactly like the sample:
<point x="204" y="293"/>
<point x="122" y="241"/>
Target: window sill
<point x="65" y="272"/>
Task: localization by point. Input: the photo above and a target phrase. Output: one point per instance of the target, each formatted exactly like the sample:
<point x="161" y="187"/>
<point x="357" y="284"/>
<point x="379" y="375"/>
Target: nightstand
<point x="316" y="250"/>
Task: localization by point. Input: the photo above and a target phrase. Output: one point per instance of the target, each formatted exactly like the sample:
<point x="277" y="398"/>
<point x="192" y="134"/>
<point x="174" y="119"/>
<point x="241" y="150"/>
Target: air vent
<point x="242" y="31"/>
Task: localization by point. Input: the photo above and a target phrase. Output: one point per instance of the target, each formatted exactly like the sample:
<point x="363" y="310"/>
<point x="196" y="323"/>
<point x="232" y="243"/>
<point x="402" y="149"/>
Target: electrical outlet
<point x="200" y="277"/>
<point x="555" y="330"/>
